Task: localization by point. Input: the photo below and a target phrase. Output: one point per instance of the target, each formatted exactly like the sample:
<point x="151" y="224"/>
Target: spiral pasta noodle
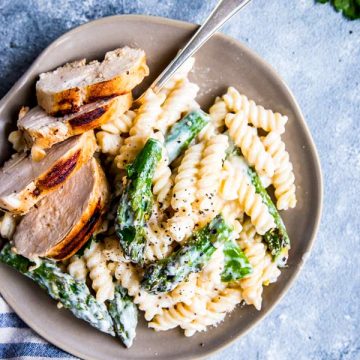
<point x="158" y="242"/>
<point x="255" y="114"/>
<point x="162" y="179"/>
<point x="216" y="309"/>
<point x="177" y="102"/>
<point x="217" y="112"/>
<point x="142" y="129"/>
<point x="102" y="281"/>
<point x="7" y="226"/>
<point x="77" y="268"/>
<point x="185" y="182"/>
<point x="209" y="174"/>
<point x="236" y="185"/>
<point x="250" y="144"/>
<point x="152" y="305"/>
<point x="109" y="143"/>
<point x="255" y="251"/>
<point x="181" y="225"/>
<point x="120" y="124"/>
<point x="283" y="178"/>
<point x="181" y="314"/>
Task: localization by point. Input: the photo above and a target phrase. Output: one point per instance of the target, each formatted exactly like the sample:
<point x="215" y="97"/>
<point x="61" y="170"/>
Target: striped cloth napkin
<point x="18" y="341"/>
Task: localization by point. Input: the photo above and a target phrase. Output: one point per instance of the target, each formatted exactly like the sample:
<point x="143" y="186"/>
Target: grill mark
<point x="82" y="236"/>
<point x="58" y="174"/>
<point x="88" y="117"/>
<point x="105" y="97"/>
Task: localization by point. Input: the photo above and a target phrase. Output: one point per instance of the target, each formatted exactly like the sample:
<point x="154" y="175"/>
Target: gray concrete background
<point x="317" y="52"/>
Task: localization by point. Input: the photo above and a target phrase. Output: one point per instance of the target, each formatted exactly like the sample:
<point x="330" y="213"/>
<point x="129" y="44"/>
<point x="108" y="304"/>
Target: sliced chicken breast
<point x="43" y="130"/>
<point x="65" y="89"/>
<point x="23" y="182"/>
<point x="63" y="221"/>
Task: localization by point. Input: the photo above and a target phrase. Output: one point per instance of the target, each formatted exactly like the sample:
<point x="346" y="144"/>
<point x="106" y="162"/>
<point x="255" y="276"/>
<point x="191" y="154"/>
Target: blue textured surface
<point x="317" y="52"/>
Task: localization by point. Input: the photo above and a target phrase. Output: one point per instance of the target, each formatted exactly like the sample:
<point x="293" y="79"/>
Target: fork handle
<point x="222" y="12"/>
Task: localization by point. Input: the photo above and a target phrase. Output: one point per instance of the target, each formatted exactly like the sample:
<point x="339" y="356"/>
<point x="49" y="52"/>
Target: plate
<point x="220" y="63"/>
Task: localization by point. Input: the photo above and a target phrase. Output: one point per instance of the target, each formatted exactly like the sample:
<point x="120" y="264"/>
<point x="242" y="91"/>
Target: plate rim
<point x="312" y="147"/>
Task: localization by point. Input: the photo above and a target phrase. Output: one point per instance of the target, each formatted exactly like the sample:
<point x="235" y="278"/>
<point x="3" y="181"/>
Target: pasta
<point x="142" y="129"/>
<point x="217" y="112"/>
<point x="254" y="114"/>
<point x="283" y="178"/>
<point x="109" y="143"/>
<point x="249" y="143"/>
<point x="177" y="102"/>
<point x="158" y="242"/>
<point x="7" y="226"/>
<point x="162" y="180"/>
<point x="121" y="124"/>
<point x="16" y="138"/>
<point x="182" y="314"/>
<point x="152" y="305"/>
<point x="245" y="193"/>
<point x="77" y="268"/>
<point x="100" y="275"/>
<point x="209" y="175"/>
<point x="265" y="270"/>
<point x="185" y="181"/>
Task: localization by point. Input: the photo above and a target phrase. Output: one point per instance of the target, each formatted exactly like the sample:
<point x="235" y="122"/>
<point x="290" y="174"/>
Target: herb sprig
<point x="349" y="8"/>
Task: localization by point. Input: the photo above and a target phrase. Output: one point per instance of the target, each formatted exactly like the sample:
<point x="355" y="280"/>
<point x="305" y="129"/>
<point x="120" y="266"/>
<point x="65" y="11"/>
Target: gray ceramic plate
<point x="222" y="62"/>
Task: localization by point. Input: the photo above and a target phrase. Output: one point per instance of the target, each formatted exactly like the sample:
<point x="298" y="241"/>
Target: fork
<point x="222" y="12"/>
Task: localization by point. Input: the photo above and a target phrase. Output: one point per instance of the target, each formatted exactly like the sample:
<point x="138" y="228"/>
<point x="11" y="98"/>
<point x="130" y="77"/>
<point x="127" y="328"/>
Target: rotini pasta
<point x="181" y="314"/>
<point x="152" y="305"/>
<point x="7" y="226"/>
<point x="249" y="143"/>
<point x="216" y="309"/>
<point x="142" y="129"/>
<point x="209" y="175"/>
<point x="246" y="195"/>
<point x="185" y="182"/>
<point x="283" y="178"/>
<point x="176" y="103"/>
<point x="121" y="124"/>
<point x="255" y="250"/>
<point x="102" y="281"/>
<point x="109" y="143"/>
<point x="162" y="179"/>
<point x="217" y="112"/>
<point x="254" y="114"/>
<point x="77" y="268"/>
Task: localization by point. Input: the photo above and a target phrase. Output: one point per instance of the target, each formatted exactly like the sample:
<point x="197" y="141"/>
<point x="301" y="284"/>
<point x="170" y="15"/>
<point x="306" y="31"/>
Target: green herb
<point x="349" y="8"/>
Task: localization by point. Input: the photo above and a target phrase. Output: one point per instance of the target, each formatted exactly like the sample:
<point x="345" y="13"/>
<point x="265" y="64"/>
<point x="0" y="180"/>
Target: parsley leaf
<point x="349" y="8"/>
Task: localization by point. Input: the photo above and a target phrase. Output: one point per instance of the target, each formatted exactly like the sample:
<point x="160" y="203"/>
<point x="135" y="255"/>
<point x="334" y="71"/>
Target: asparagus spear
<point x="184" y="131"/>
<point x="165" y="274"/>
<point x="124" y="314"/>
<point x="73" y="295"/>
<point x="136" y="201"/>
<point x="277" y="239"/>
<point x="237" y="264"/>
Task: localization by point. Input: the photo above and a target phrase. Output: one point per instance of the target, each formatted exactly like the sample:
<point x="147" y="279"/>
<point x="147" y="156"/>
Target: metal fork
<point x="222" y="12"/>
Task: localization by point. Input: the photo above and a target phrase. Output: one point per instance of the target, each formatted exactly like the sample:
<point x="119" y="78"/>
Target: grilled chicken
<point x="60" y="224"/>
<point x="24" y="182"/>
<point x="67" y="88"/>
<point x="43" y="130"/>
